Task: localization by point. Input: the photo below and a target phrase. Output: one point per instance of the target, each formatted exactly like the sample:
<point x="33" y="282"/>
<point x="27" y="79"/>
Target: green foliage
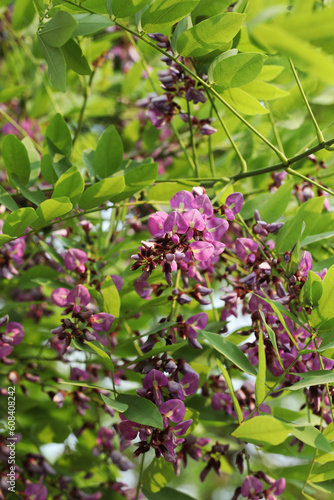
<point x="102" y="191"/>
<point x="141" y="410"/>
<point x="263" y="430"/>
<point x="157" y="475"/>
<point x="164" y="13"/>
<point x="109" y="153"/>
<point x="16" y="159"/>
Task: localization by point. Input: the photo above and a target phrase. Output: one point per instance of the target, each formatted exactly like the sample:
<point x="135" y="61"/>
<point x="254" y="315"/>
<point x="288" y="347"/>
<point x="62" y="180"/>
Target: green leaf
<point x="264" y="91"/>
<point x="164" y="13"/>
<point x="55" y="207"/>
<point x="102" y="191"/>
<point x="209" y="8"/>
<point x="184" y="25"/>
<point x="231" y="351"/>
<point x="324" y="473"/>
<point x="56" y="65"/>
<point x="89" y="24"/>
<point x="58" y="30"/>
<point x="23" y="14"/>
<point x="141" y="410"/>
<point x="125" y="8"/>
<point x="229" y="384"/>
<point x="56" y="149"/>
<point x="312" y="290"/>
<point x="70" y="184"/>
<point x="243" y="102"/>
<point x="311" y="436"/>
<point x="137" y="176"/>
<point x="316" y="377"/>
<point x="164" y="191"/>
<point x="16" y="159"/>
<point x="324" y="309"/>
<point x="305" y="56"/>
<point x="74" y="58"/>
<point x="270" y="72"/>
<point x="314" y="238"/>
<point x="100" y="352"/>
<point x="210" y="34"/>
<point x="308" y="213"/>
<point x="272" y="337"/>
<point x="111" y="299"/>
<point x="166" y="494"/>
<point x="236" y="70"/>
<point x="82" y="384"/>
<point x="263" y="430"/>
<point x="116" y="405"/>
<point x="17" y="222"/>
<point x="34" y="159"/>
<point x="157" y="475"/>
<point x="109" y="153"/>
<point x="36" y="196"/>
<point x="7" y="200"/>
<point x="260" y="387"/>
<point x="277" y="203"/>
<point x="10" y="92"/>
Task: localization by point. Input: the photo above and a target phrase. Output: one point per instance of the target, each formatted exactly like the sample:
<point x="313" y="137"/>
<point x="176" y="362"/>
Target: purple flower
<point x="104" y="438"/>
<point x="250" y="487"/>
<point x="59" y="296"/>
<point x="78" y="297"/>
<point x="75" y="259"/>
<point x="14" y="333"/>
<point x="305" y="264"/>
<point x="155" y="380"/>
<point x="278" y="487"/>
<point x="202" y="250"/>
<point x="245" y="248"/>
<point x="101" y="322"/>
<point x="36" y="491"/>
<point x="215" y="229"/>
<point x="203" y="205"/>
<point x="195" y="95"/>
<point x="118" y="281"/>
<point x="197" y="322"/>
<point x="155" y="224"/>
<point x="175" y="223"/>
<point x="173" y="410"/>
<point x="143" y="288"/>
<point x="233" y="205"/>
<point x="207" y="129"/>
<point x="194" y="219"/>
<point x="182" y="200"/>
<point x="190" y="383"/>
<point x="5" y="349"/>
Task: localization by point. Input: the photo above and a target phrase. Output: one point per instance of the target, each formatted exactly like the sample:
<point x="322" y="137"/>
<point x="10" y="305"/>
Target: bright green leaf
<point x="263" y="430"/>
<point x="17" y="222"/>
<point x="102" y="191"/>
<point x="311" y="436"/>
<point x="111" y="299"/>
<point x="164" y="13"/>
<point x="228" y="381"/>
<point x="260" y="387"/>
<point x="157" y="475"/>
<point x="55" y="207"/>
<point x="236" y="70"/>
<point x="89" y="24"/>
<point x="70" y="184"/>
<point x="231" y="351"/>
<point x="56" y="65"/>
<point x="16" y="159"/>
<point x="109" y="153"/>
<point x="116" y="405"/>
<point x="125" y="8"/>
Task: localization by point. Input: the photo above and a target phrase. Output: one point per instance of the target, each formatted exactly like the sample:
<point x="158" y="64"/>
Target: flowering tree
<point x="166" y="258"/>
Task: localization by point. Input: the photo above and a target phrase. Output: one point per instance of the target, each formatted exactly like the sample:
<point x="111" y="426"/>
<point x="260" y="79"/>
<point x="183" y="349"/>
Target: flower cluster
<point x="12" y="336"/>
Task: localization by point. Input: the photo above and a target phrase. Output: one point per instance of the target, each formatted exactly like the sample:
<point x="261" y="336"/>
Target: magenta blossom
<point x="59" y="296"/>
<point x="75" y="259"/>
<point x="175" y="223"/>
<point x="155" y="224"/>
<point x="250" y="488"/>
<point x="101" y="322"/>
<point x="245" y="247"/>
<point x="143" y="288"/>
<point x="215" y="229"/>
<point x="233" y="205"/>
<point x="173" y="410"/>
<point x="14" y="333"/>
<point x="202" y="250"/>
<point x="36" y="491"/>
<point x="305" y="264"/>
<point x="194" y="219"/>
<point x="78" y="297"/>
<point x="182" y="200"/>
<point x="118" y="281"/>
<point x="153" y="382"/>
<point x="203" y="205"/>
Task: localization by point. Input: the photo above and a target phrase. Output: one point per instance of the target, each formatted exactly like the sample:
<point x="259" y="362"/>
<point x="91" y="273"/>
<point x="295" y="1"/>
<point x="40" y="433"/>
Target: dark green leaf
<point x="164" y="13"/>
<point x="56" y="65"/>
<point x="109" y="153"/>
<point x="16" y="159"/>
<point x="58" y="30"/>
<point x="231" y="351"/>
<point x="166" y="494"/>
<point x="141" y="410"/>
<point x="125" y="8"/>
<point x="89" y="24"/>
<point x="74" y="58"/>
<point x="116" y="405"/>
<point x="7" y="200"/>
<point x="102" y="191"/>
